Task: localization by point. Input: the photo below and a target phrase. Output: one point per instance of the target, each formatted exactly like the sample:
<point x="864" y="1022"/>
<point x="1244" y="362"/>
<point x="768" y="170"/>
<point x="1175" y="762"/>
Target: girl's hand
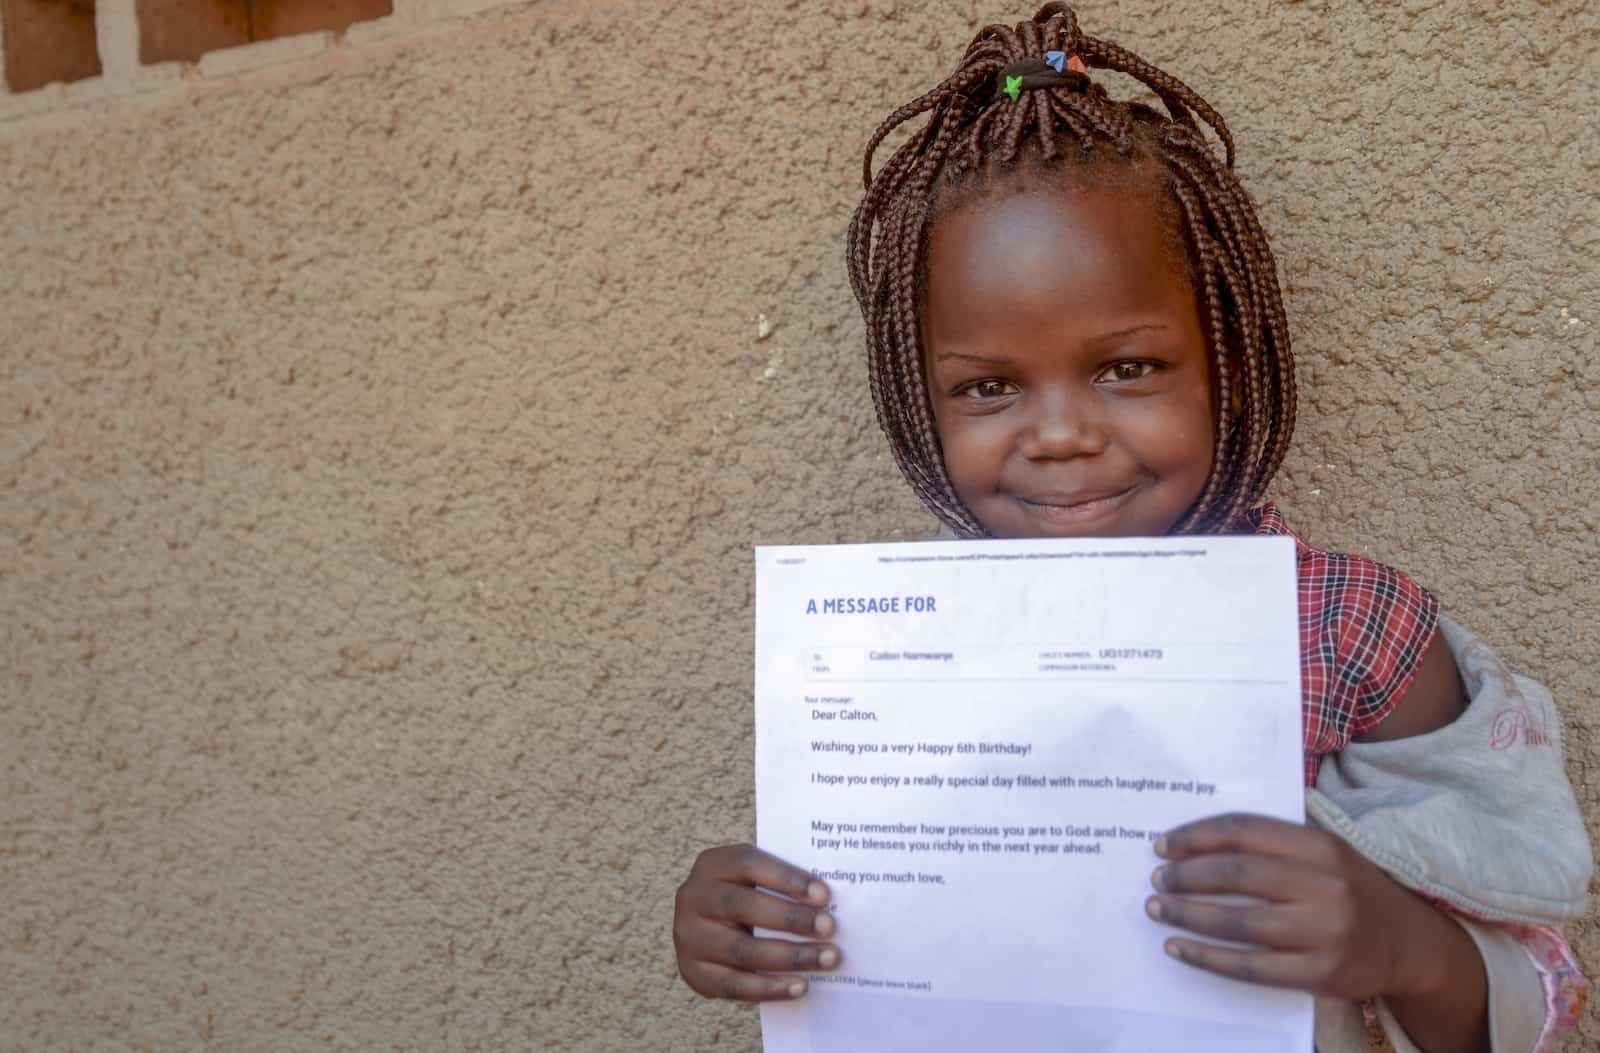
<point x="1327" y="920"/>
<point x="724" y="897"/>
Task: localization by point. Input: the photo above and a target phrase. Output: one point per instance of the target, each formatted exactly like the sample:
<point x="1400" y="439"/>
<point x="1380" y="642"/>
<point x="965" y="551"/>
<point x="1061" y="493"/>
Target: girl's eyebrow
<point x="963" y="355"/>
<point x="1118" y="334"/>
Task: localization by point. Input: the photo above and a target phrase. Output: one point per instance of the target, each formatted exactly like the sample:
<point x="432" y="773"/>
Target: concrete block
<point x="30" y="103"/>
<point x="287" y="19"/>
<point x="379" y="29"/>
<point x="161" y="75"/>
<point x="86" y="90"/>
<point x="231" y="62"/>
<point x="423" y="11"/>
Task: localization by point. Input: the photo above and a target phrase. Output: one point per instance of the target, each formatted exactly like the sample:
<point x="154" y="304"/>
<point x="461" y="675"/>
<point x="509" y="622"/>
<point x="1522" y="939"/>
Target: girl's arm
<point x="1536" y="988"/>
<point x="1435" y="699"/>
<point x="1442" y="1001"/>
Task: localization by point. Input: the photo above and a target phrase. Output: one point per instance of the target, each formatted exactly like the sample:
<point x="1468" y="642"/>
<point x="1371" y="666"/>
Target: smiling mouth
<point x="1075" y="508"/>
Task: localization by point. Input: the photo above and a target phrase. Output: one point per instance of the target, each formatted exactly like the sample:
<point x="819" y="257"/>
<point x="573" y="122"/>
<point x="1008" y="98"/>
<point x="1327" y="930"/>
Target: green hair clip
<point x="1056" y="69"/>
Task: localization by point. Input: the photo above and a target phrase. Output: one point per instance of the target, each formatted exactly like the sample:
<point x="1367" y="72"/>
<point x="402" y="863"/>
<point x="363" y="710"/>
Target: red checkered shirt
<point x="1363" y="630"/>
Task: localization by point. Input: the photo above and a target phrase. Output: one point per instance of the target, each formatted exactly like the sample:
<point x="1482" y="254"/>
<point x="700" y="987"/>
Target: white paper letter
<point x="975" y="744"/>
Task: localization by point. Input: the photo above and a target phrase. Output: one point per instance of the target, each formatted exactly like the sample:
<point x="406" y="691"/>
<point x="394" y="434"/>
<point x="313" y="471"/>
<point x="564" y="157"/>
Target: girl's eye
<point x="986" y="389"/>
<point x="1123" y="372"/>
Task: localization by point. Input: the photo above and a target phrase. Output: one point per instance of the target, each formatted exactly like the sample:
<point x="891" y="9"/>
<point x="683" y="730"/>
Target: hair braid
<point x="1216" y="323"/>
<point x="973" y="134"/>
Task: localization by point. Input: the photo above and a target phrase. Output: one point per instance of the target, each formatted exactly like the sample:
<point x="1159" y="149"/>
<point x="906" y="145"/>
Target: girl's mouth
<point x="1073" y="509"/>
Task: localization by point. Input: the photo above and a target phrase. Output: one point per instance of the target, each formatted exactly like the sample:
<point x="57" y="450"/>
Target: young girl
<point x="1074" y="328"/>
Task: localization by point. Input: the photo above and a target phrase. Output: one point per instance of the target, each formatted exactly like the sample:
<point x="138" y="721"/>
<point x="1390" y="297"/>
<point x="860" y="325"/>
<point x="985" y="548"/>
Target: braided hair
<point x="1007" y="108"/>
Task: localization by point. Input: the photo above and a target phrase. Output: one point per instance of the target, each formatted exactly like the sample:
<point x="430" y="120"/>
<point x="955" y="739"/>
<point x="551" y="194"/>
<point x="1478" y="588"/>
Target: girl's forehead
<point x="1050" y="252"/>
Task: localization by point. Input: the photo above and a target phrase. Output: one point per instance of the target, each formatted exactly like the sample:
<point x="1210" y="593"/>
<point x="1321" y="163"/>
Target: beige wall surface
<point x="381" y="451"/>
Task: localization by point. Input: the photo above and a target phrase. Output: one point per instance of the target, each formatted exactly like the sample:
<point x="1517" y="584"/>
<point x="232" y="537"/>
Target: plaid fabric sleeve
<point x="1364" y="628"/>
<point x="1372" y="625"/>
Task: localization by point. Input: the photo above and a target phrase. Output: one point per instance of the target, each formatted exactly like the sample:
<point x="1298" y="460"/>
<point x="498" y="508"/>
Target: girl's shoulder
<point x="1351" y="584"/>
<point x="1364" y="629"/>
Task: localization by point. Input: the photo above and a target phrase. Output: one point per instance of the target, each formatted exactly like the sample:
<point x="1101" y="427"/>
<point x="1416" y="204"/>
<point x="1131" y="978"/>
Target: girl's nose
<point x="1062" y="426"/>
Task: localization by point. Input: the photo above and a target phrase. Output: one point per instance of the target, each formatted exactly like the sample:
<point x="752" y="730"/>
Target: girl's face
<point x="1067" y="364"/>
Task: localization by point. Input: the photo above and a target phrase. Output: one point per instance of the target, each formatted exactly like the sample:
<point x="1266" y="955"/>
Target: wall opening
<point x="48" y="40"/>
<point x="183" y="30"/>
<point x="172" y="30"/>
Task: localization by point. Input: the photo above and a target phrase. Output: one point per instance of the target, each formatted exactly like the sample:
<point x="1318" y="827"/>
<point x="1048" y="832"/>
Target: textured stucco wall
<point x="381" y="450"/>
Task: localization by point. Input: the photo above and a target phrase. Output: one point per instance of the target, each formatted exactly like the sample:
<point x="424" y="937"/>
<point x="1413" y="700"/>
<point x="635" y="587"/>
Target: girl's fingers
<point x="749" y="865"/>
<point x="703" y="940"/>
<point x="1258" y="925"/>
<point x="1248" y="834"/>
<point x="721" y="901"/>
<point x="744" y="952"/>
<point x="719" y="981"/>
<point x="739" y="905"/>
<point x="1269" y="968"/>
<point x="1237" y="873"/>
